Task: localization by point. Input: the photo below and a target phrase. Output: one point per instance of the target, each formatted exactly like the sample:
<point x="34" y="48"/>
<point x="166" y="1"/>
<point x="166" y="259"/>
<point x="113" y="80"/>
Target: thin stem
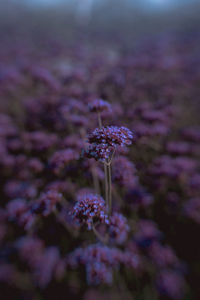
<point x="99" y="119"/>
<point x="109" y="189"/>
<point x="98" y="235"/>
<point x="106" y="186"/>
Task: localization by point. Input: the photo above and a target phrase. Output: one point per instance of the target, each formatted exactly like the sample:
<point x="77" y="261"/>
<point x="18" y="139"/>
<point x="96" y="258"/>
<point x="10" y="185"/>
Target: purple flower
<point x="90" y="208"/>
<point x="19" y="211"/>
<point x="112" y="136"/>
<point x="124" y="172"/>
<point x="103" y="141"/>
<point x="99" y="152"/>
<point x="46" y="266"/>
<point x="47" y="202"/>
<point x="146" y="233"/>
<point x="192" y="209"/>
<point x="38" y="140"/>
<point x="100" y="262"/>
<point x="118" y="228"/>
<point x="171" y="284"/>
<point x="98" y="272"/>
<point x="62" y="158"/>
<point x="137" y="197"/>
<point x="181" y="148"/>
<point x="30" y="248"/>
<point x="99" y="105"/>
<point x="163" y="256"/>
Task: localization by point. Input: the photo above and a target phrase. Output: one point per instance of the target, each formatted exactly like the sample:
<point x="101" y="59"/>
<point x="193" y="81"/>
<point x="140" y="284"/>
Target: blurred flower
<point x="192" y="209"/>
<point x="118" y="228"/>
<point x="47" y="202"/>
<point x="99" y="105"/>
<point x="171" y="284"/>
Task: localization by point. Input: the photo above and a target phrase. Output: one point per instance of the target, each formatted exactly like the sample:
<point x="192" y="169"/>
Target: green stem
<point x="109" y="189"/>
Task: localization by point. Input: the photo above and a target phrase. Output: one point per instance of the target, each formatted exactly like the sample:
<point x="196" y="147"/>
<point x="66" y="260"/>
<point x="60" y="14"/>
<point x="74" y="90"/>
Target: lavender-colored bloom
<point x="192" y="209"/>
<point x="112" y="136"/>
<point x="118" y="228"/>
<point x="99" y="105"/>
<point x="146" y="233"/>
<point x="192" y="134"/>
<point x="47" y="202"/>
<point x="100" y="262"/>
<point x="61" y="159"/>
<point x="44" y="76"/>
<point x="163" y="256"/>
<point x="103" y="141"/>
<point x="90" y="208"/>
<point x="61" y="186"/>
<point x="38" y="140"/>
<point x="99" y="152"/>
<point x="35" y="165"/>
<point x="44" y="263"/>
<point x="124" y="172"/>
<point x="173" y="167"/>
<point x="20" y="189"/>
<point x="171" y="284"/>
<point x="15" y="208"/>
<point x="155" y="115"/>
<point x="18" y="211"/>
<point x="98" y="273"/>
<point x="46" y="266"/>
<point x="30" y="248"/>
<point x="181" y="148"/>
<point x="73" y="141"/>
<point x="137" y="197"/>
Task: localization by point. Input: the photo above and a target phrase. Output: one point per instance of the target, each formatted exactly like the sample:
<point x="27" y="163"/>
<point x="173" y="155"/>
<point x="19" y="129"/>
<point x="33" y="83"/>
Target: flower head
<point x="118" y="228"/>
<point x="112" y="136"/>
<point x="99" y="105"/>
<point x="103" y="141"/>
<point x="47" y="202"/>
<point x="90" y="208"/>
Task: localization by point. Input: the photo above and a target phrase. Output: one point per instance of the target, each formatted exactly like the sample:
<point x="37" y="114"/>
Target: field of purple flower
<point x="100" y="173"/>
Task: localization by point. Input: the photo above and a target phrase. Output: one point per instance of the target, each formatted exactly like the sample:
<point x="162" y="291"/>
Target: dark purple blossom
<point x="118" y="228"/>
<point x="171" y="284"/>
<point x="100" y="262"/>
<point x="192" y="209"/>
<point x="47" y="202"/>
<point x="62" y="158"/>
<point x="112" y="136"/>
<point x="124" y="172"/>
<point x="18" y="211"/>
<point x="90" y="208"/>
<point x="99" y="105"/>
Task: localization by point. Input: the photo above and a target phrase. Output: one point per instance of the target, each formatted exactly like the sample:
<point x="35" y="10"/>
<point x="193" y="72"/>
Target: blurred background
<point x="96" y="18"/>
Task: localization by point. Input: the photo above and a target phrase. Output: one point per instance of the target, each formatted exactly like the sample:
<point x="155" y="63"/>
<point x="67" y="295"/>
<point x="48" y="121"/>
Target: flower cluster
<point x="89" y="209"/>
<point x="100" y="262"/>
<point x="99" y="105"/>
<point x="46" y="203"/>
<point x="103" y="141"/>
<point x="118" y="228"/>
